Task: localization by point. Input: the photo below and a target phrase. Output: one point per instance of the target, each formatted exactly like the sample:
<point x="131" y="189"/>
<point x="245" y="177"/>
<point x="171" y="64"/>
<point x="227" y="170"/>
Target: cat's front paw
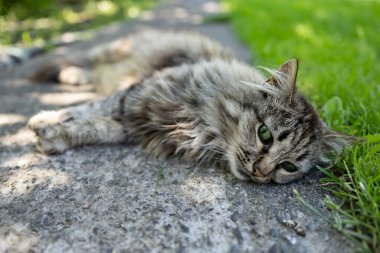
<point x="49" y="126"/>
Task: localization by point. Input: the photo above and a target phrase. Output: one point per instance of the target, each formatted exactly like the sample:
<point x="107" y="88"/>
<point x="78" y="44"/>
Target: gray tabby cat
<point x="190" y="98"/>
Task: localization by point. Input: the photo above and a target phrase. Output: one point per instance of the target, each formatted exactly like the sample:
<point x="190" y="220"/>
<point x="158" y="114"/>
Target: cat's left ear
<point x="285" y="78"/>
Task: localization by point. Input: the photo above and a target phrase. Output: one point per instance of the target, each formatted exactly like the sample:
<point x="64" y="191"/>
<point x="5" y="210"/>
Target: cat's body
<point x="191" y="99"/>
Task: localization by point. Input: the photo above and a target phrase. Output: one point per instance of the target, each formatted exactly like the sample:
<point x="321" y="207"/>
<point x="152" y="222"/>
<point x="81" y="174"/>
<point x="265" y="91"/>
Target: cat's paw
<point x="50" y="128"/>
<point x="74" y="75"/>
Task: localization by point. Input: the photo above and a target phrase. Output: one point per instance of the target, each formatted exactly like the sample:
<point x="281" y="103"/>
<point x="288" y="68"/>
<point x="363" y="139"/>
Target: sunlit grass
<point x="25" y="26"/>
<point x="338" y="45"/>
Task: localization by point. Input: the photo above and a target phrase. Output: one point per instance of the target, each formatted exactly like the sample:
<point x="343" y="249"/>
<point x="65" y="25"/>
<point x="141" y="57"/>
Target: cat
<point x="185" y="95"/>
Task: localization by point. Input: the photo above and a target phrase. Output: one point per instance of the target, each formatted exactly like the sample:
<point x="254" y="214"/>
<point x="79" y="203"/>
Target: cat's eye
<point x="289" y="167"/>
<point x="265" y="135"/>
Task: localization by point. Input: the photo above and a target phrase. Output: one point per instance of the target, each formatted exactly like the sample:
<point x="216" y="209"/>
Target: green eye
<point x="289" y="167"/>
<point x="265" y="135"/>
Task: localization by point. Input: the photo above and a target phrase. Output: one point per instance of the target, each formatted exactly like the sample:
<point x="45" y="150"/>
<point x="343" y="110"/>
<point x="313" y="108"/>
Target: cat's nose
<point x="257" y="170"/>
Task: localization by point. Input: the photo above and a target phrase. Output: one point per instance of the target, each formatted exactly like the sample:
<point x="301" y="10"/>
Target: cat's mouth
<point x="261" y="180"/>
<point x="257" y="177"/>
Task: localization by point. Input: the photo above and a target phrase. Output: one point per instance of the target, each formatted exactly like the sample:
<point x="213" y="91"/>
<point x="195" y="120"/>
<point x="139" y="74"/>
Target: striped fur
<point x="194" y="101"/>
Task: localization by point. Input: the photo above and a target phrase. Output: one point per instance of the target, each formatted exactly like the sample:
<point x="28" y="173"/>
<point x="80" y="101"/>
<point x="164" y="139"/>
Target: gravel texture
<point x="117" y="198"/>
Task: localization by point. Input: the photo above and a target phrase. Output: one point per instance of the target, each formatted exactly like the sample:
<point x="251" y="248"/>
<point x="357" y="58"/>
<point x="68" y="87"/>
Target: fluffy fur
<point x="185" y="95"/>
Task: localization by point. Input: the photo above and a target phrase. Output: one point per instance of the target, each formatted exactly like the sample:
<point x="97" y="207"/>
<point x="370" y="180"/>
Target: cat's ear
<point x="335" y="141"/>
<point x="285" y="78"/>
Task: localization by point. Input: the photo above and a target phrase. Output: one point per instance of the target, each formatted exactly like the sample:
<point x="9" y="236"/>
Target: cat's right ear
<point x="335" y="141"/>
<point x="285" y="78"/>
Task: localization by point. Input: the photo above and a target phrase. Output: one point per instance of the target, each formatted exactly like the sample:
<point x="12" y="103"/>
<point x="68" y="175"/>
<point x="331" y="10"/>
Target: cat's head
<point x="282" y="138"/>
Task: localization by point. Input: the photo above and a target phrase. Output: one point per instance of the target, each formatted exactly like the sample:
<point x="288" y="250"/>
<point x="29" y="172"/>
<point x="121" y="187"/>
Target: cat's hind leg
<point x="78" y="68"/>
<point x="73" y="72"/>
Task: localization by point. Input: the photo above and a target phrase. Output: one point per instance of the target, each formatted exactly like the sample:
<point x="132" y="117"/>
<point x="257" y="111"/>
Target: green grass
<point x="338" y="45"/>
<point x="160" y="176"/>
<point x="30" y="22"/>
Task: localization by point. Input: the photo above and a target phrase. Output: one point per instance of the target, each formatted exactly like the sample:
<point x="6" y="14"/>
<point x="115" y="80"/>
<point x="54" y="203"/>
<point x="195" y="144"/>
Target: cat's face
<point x="279" y="144"/>
<point x="282" y="138"/>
